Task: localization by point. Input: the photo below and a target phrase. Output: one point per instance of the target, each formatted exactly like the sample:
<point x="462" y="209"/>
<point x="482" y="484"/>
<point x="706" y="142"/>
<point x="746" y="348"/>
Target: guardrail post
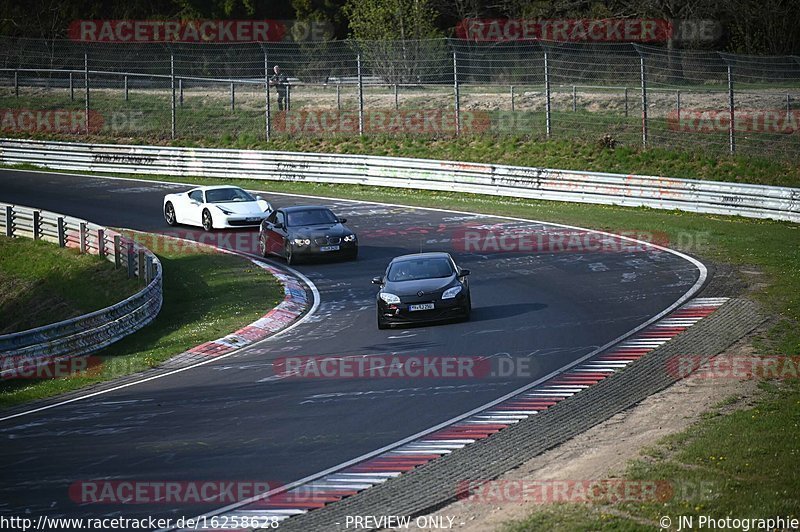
<point x="148" y="271"/>
<point x="396" y="98"/>
<point x="83" y="238"/>
<point x="101" y="243"/>
<point x="126" y="87"/>
<point x="9" y="221"/>
<point x="141" y="265"/>
<point x="512" y="98"/>
<point x="456" y="95"/>
<point x="117" y="252"/>
<point x="360" y="96"/>
<point x="233" y="97"/>
<point x="86" y="83"/>
<point x="62" y="232"/>
<point x="547" y="95"/>
<point x="731" y="126"/>
<point x="131" y="260"/>
<point x="644" y="100"/>
<point x="71" y="88"/>
<point x="37" y="225"/>
<point x="172" y="87"/>
<point x="16" y="84"/>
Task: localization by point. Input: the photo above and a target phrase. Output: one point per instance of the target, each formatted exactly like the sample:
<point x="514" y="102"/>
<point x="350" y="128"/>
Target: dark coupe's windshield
<point x="412" y="270"/>
<point x="311" y="217"/>
<point x="227" y="195"/>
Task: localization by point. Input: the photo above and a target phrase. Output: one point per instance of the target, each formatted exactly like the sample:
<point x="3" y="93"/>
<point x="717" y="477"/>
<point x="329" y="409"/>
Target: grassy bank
<point x="41" y="283"/>
<point x="206" y="295"/>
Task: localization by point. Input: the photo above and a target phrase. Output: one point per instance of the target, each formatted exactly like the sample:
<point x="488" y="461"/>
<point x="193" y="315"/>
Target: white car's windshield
<point x="411" y="270"/>
<point x="311" y="217"/>
<point x="226" y="195"/>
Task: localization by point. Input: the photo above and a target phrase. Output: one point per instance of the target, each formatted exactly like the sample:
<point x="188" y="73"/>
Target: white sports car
<point x="215" y="207"/>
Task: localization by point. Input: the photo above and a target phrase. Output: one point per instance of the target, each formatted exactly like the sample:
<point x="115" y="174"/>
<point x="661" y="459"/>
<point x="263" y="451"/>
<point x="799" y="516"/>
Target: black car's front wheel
<point x="468" y="309"/>
<point x="288" y="254"/>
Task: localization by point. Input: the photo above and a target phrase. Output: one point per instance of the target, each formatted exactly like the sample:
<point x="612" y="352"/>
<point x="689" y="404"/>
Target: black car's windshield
<point x="226" y="195"/>
<point x="411" y="270"/>
<point x="311" y="217"/>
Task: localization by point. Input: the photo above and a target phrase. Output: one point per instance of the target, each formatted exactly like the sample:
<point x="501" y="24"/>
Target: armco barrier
<point x="753" y="201"/>
<point x="91" y="332"/>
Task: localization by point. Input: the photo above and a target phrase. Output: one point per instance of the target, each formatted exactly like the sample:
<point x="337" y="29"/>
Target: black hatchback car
<point x="422" y="287"/>
<point x="306" y="231"/>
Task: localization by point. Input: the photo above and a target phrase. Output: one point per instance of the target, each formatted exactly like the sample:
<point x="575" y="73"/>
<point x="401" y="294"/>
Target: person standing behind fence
<point x="281" y="84"/>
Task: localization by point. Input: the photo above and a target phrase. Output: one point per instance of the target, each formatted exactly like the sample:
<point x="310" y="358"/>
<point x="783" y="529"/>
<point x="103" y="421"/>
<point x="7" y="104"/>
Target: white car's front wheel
<point x="208" y="223"/>
<point x="169" y="214"/>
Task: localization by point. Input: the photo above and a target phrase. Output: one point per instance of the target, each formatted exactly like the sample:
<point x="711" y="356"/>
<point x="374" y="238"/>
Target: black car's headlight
<point x="450" y="293"/>
<point x="389" y="299"/>
<point x="301" y="242"/>
<point x="349" y="238"/>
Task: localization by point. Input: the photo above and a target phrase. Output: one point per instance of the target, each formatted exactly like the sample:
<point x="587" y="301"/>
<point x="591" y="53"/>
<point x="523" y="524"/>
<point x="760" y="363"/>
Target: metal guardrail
<point x="82" y="335"/>
<point x="752" y="201"/>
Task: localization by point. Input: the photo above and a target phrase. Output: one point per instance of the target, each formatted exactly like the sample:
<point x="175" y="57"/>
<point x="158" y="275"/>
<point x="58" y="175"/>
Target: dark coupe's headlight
<point x="301" y="242"/>
<point x="349" y="238"/>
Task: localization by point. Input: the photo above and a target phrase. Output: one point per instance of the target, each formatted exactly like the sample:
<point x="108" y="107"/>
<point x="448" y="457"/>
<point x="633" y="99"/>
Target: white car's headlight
<point x="301" y="241"/>
<point x="450" y="293"/>
<point x="349" y="238"/>
<point x="390" y="299"/>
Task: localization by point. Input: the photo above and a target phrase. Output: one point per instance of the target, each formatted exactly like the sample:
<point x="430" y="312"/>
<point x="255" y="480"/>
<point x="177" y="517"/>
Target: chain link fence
<point x="618" y="94"/>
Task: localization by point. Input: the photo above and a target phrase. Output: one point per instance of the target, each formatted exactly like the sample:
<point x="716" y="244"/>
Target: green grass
<point x="206" y="295"/>
<point x="41" y="283"/>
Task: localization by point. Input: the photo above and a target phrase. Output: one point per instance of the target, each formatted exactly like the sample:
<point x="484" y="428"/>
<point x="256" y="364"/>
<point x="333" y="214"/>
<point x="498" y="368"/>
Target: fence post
<point x="172" y="87"/>
<point x="101" y="243"/>
<point x="62" y="232"/>
<point x="83" y="243"/>
<point x="71" y="88"/>
<point x="126" y="88"/>
<point x="678" y="103"/>
<point x="512" y="98"/>
<point x="360" y="96"/>
<point x="626" y="102"/>
<point x="338" y="97"/>
<point x="180" y="92"/>
<point x="267" y="121"/>
<point x="574" y="100"/>
<point x="16" y="84"/>
<point x="37" y="223"/>
<point x="141" y="265"/>
<point x="86" y="96"/>
<point x="547" y="95"/>
<point x="288" y="95"/>
<point x="131" y="260"/>
<point x="233" y="97"/>
<point x="396" y="98"/>
<point x="788" y="106"/>
<point x="117" y="252"/>
<point x="731" y="126"/>
<point x="644" y="101"/>
<point x="457" y="95"/>
<point x="9" y="221"/>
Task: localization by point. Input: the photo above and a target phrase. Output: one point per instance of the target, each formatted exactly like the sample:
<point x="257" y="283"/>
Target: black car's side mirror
<point x="342" y="220"/>
<point x="377" y="280"/>
<point x="464" y="273"/>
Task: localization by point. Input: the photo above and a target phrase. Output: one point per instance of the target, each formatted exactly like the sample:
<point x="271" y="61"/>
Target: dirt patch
<point x="604" y="451"/>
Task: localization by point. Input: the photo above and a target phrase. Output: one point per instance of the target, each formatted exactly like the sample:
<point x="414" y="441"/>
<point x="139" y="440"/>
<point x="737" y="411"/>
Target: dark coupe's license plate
<point x="422" y="306"/>
<point x="329" y="248"/>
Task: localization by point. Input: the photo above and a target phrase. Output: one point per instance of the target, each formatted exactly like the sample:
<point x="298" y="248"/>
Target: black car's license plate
<point x="329" y="248"/>
<point x="422" y="306"/>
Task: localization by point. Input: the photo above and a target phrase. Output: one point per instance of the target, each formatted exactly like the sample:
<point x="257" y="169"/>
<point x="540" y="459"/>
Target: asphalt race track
<point x="231" y="421"/>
